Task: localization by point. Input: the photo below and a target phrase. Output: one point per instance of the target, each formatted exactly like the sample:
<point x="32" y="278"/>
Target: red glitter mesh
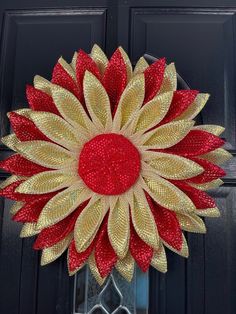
<point x="51" y="235"/>
<point x="109" y="164"/>
<point x="25" y="129"/>
<point x="167" y="224"/>
<point x="154" y="75"/>
<point x="105" y="255"/>
<point x="63" y="79"/>
<point x="75" y="259"/>
<point x="182" y="99"/>
<point x="115" y="79"/>
<point x="18" y="165"/>
<point x="200" y="199"/>
<point x="38" y="100"/>
<point x="30" y="211"/>
<point x="211" y="172"/>
<point x="196" y="142"/>
<point x="141" y="252"/>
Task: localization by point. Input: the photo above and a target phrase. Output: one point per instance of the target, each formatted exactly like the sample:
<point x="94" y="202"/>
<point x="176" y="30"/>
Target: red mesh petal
<point x="211" y="172"/>
<point x="182" y="99"/>
<point x="200" y="199"/>
<point x="105" y="255"/>
<point x="25" y="129"/>
<point x="196" y="142"/>
<point x="115" y="79"/>
<point x="18" y="165"/>
<point x="63" y="79"/>
<point x="167" y="224"/>
<point x="38" y="100"/>
<point x="154" y="75"/>
<point x="51" y="235"/>
<point x="75" y="259"/>
<point x="141" y="252"/>
<point x="30" y="211"/>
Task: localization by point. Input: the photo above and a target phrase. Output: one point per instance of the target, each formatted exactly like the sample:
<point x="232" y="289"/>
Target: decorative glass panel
<point x="115" y="296"/>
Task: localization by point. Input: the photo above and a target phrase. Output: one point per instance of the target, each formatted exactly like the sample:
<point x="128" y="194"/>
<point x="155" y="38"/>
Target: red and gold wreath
<point x="109" y="164"/>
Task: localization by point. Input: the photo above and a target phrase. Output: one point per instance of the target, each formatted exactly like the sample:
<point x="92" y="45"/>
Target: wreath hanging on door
<point x="109" y="165"/>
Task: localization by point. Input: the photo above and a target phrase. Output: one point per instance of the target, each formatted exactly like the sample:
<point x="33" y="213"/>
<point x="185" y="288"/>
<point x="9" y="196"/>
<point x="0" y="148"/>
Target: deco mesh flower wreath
<point x="109" y="164"/>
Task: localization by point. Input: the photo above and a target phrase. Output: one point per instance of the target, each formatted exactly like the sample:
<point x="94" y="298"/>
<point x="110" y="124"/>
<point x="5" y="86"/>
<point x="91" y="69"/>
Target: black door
<point x="199" y="36"/>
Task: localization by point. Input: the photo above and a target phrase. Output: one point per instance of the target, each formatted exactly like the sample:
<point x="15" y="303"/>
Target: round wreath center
<point x="109" y="164"/>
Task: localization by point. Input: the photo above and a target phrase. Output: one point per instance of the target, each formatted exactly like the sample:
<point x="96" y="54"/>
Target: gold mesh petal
<point x="153" y="112"/>
<point x="29" y="230"/>
<point x="56" y="129"/>
<point x="10" y="141"/>
<point x="143" y="220"/>
<point x="16" y="207"/>
<point x="125" y="267"/>
<point x="208" y="185"/>
<point x="174" y="167"/>
<point x="128" y="64"/>
<point x="217" y="156"/>
<point x="191" y="222"/>
<point x="88" y="224"/>
<point x="118" y="228"/>
<point x="99" y="57"/>
<point x="67" y="67"/>
<point x="73" y="61"/>
<point x="193" y="110"/>
<point x="47" y="181"/>
<point x="10" y="180"/>
<point x="167" y="194"/>
<point x="97" y="100"/>
<point x="167" y="135"/>
<point x="70" y="108"/>
<point x="42" y="84"/>
<point x="94" y="270"/>
<point x="61" y="205"/>
<point x="140" y="66"/>
<point x="170" y="79"/>
<point x="50" y="254"/>
<point x="130" y="101"/>
<point x="183" y="252"/>
<point x="159" y="260"/>
<point x="208" y="212"/>
<point x="45" y="154"/>
<point x="211" y="128"/>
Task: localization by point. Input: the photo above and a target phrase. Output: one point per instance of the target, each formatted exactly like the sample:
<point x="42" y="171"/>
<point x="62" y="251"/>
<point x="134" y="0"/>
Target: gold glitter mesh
<point x="208" y="212"/>
<point x="131" y="100"/>
<point x="118" y="228"/>
<point x="70" y="107"/>
<point x="10" y="141"/>
<point x="125" y="267"/>
<point x="193" y="110"/>
<point x="16" y="207"/>
<point x="42" y="84"/>
<point x="183" y="252"/>
<point x="94" y="270"/>
<point x="50" y="254"/>
<point x="153" y="112"/>
<point x="9" y="181"/>
<point x="140" y="66"/>
<point x="170" y="79"/>
<point x="29" y="230"/>
<point x="168" y="195"/>
<point x="47" y="181"/>
<point x="99" y="57"/>
<point x="208" y="185"/>
<point x="159" y="259"/>
<point x="97" y="100"/>
<point x="45" y="154"/>
<point x="88" y="224"/>
<point x="211" y="128"/>
<point x="56" y="129"/>
<point x="128" y="64"/>
<point x="168" y="134"/>
<point x="143" y="220"/>
<point x="60" y="206"/>
<point x="218" y="156"/>
<point x="191" y="223"/>
<point x="174" y="167"/>
<point x="67" y="67"/>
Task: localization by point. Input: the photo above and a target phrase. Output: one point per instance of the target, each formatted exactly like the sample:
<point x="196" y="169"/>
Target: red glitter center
<point x="109" y="164"/>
